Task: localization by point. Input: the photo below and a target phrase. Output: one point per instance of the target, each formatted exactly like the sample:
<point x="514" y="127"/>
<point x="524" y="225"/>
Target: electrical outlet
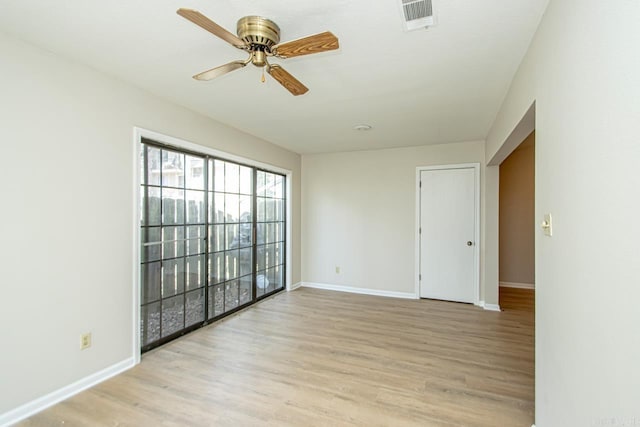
<point x="337" y="269"/>
<point x="85" y="341"/>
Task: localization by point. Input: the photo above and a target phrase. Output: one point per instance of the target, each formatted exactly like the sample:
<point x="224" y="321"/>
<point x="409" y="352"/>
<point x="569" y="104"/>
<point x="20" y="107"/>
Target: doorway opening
<point x="517" y="217"/>
<point x="516" y="295"/>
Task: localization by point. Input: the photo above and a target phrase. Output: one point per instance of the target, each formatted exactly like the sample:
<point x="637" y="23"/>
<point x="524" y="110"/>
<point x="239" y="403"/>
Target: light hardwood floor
<point x="320" y="358"/>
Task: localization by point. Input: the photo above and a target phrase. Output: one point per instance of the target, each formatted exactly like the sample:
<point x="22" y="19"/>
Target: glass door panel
<point x="270" y="238"/>
<point x="230" y="236"/>
<point x="173" y="232"/>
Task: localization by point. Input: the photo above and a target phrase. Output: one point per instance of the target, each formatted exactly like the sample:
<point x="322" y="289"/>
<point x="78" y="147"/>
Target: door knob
<point x="469" y="243"/>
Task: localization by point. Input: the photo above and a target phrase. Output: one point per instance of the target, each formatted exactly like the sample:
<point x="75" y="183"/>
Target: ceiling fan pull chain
<point x="262" y="79"/>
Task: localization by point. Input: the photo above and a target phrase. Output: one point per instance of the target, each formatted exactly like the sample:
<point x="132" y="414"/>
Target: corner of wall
<point x="490" y="262"/>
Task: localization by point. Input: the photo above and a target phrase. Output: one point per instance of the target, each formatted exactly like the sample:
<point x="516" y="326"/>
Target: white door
<point x="448" y="247"/>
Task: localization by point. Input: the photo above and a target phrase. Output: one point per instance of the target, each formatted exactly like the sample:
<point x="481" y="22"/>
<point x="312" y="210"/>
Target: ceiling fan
<point x="260" y="37"/>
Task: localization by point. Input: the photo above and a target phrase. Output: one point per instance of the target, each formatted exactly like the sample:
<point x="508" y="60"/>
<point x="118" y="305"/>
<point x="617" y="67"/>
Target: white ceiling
<point x="440" y="85"/>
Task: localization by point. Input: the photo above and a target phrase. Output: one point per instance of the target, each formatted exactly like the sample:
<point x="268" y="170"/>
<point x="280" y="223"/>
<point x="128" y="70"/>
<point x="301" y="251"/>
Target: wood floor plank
<point x="313" y="358"/>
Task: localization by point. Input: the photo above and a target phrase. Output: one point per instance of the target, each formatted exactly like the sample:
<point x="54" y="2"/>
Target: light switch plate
<point x="547" y="225"/>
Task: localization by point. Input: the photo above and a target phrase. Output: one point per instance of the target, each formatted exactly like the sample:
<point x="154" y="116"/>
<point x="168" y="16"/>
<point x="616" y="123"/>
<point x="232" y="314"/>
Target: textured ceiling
<point x="440" y="85"/>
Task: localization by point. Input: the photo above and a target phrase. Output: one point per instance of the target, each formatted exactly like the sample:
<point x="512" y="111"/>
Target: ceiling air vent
<point x="417" y="14"/>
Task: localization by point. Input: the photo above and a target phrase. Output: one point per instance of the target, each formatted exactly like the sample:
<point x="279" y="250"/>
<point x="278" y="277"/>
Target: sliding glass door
<point x="210" y="244"/>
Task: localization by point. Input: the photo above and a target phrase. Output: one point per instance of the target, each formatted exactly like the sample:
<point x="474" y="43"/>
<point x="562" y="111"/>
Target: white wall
<point x="359" y="213"/>
<point x="66" y="220"/>
<point x="583" y="70"/>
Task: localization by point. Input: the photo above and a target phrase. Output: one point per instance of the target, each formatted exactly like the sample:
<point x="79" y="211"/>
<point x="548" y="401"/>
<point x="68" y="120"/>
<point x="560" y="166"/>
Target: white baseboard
<point x="489" y="307"/>
<point x="517" y="285"/>
<point x="41" y="403"/>
<point x="492" y="307"/>
<point x="294" y="286"/>
<point x="365" y="291"/>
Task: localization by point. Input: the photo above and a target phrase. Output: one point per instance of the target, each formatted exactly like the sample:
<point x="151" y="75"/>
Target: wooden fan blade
<point x="215" y="29"/>
<point x="289" y="82"/>
<point x="218" y="71"/>
<point x="307" y="45"/>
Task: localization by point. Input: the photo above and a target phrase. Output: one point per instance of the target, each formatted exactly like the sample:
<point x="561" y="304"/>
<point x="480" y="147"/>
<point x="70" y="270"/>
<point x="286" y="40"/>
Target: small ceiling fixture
<point x="362" y="127"/>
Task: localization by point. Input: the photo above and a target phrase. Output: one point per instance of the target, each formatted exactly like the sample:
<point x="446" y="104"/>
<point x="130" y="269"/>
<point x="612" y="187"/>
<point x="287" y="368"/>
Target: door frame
<point x="476" y="246"/>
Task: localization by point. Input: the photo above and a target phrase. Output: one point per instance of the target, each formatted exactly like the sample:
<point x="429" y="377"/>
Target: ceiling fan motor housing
<point x="259" y="33"/>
